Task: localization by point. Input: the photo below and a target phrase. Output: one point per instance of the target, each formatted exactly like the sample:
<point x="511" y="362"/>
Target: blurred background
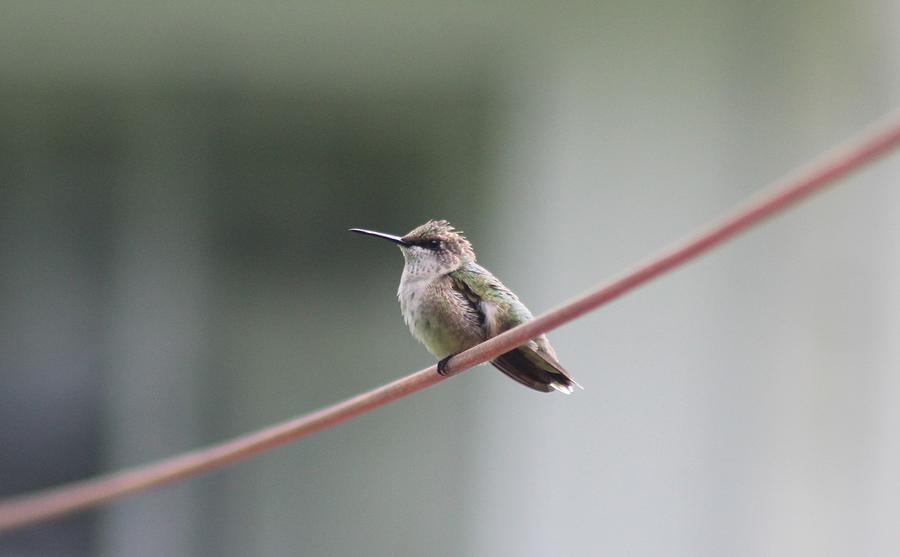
<point x="176" y="181"/>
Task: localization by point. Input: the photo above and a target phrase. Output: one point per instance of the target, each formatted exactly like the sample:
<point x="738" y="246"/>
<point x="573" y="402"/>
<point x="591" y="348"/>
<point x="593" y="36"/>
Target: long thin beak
<point x="390" y="237"/>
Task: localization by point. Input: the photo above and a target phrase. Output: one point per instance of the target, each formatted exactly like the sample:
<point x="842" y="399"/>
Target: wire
<point x="35" y="507"/>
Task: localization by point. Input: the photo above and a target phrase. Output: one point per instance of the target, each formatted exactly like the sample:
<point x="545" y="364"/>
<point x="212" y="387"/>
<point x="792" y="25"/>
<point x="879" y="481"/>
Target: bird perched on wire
<point x="451" y="303"/>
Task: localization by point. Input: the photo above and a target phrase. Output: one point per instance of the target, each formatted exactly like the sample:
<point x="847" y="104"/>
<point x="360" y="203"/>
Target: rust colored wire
<point x="30" y="508"/>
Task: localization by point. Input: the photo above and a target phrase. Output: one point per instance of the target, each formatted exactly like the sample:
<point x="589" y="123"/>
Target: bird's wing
<point x="534" y="364"/>
<point x="466" y="286"/>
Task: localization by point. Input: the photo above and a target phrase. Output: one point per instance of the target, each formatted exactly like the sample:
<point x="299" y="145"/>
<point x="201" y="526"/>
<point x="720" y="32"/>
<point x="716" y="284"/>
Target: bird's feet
<point x="442" y="365"/>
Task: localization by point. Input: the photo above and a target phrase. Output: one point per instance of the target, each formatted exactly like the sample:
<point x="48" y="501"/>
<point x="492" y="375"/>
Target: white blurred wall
<point x="743" y="405"/>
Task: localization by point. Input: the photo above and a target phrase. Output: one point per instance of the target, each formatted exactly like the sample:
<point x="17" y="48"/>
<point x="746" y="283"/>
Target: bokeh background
<point x="176" y="180"/>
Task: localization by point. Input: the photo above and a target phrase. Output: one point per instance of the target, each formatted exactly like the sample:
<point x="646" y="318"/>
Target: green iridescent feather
<point x="534" y="364"/>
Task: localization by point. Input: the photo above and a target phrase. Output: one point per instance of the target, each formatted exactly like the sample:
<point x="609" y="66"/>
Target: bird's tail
<point x="535" y="369"/>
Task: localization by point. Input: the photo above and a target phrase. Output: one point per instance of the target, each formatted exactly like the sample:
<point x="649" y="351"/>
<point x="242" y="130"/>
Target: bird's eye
<point x="433" y="244"/>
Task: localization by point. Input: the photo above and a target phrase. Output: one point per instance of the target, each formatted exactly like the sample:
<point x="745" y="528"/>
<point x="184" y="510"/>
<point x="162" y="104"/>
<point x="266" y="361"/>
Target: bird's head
<point x="434" y="248"/>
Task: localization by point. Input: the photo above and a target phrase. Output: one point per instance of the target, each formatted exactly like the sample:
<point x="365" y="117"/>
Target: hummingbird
<point x="450" y="304"/>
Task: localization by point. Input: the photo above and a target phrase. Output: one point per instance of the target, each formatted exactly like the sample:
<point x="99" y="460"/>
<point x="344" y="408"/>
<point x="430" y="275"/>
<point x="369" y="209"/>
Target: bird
<point x="451" y="303"/>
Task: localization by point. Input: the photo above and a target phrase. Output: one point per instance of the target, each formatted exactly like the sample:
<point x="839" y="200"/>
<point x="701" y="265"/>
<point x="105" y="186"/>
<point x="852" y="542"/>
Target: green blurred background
<point x="176" y="180"/>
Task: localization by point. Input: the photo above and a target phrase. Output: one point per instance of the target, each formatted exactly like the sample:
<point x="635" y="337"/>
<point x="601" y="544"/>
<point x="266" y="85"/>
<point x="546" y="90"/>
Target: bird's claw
<point x="442" y="366"/>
